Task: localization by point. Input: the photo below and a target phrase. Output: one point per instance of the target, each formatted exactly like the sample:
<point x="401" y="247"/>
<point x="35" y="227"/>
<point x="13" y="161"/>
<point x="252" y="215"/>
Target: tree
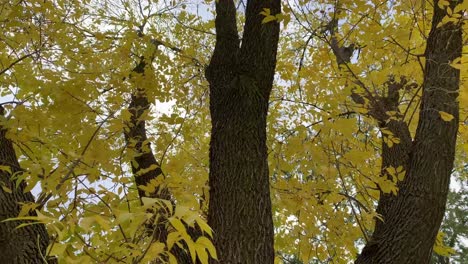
<point x="241" y="80"/>
<point x="109" y="106"/>
<point x="127" y="60"/>
<point x="454" y="227"/>
<point x="413" y="217"/>
<point x="378" y="71"/>
<point x="18" y="245"/>
<point x="410" y="219"/>
<point x="28" y="243"/>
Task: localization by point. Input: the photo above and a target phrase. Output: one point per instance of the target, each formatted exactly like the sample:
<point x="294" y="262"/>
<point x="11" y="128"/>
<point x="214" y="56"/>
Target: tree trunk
<point x="143" y="159"/>
<point x="413" y="217"/>
<point x="137" y="141"/>
<point x="241" y="79"/>
<point x="17" y="245"/>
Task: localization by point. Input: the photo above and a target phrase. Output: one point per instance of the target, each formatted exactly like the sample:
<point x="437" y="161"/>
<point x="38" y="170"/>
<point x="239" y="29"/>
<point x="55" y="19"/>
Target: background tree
<point x="28" y="244"/>
<point x="18" y="245"/>
<point x="88" y="100"/>
<point x="454" y="227"/>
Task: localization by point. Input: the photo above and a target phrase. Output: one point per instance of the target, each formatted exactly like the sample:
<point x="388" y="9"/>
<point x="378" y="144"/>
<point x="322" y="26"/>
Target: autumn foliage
<point x="306" y="121"/>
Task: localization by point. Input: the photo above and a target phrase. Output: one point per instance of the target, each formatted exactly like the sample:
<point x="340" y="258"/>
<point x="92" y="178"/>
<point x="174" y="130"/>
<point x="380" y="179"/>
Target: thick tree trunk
<point x="241" y="79"/>
<point x="413" y="217"/>
<point x="17" y="245"/>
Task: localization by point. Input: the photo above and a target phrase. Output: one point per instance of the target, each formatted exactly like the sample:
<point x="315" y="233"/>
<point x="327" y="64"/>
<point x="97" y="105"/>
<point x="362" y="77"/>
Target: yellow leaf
<point x="443" y="3"/>
<point x="401" y="176"/>
<point x="388" y="142"/>
<point x="103" y="222"/>
<point x="181" y="211"/>
<point x="457" y="63"/>
<point x="26" y="208"/>
<point x="172" y="238"/>
<point x="445" y="116"/>
<point x="440" y="248"/>
<point x="391" y="170"/>
<point x="201" y="252"/>
<point x="207" y="244"/>
<point x="5" y="168"/>
<point x="268" y="19"/>
<point x="399" y="168"/>
<point x="265" y="12"/>
<point x="57" y="249"/>
<point x="461" y="7"/>
<point x="86" y="223"/>
<point x="172" y="259"/>
<point x="458" y="66"/>
<point x="123" y="217"/>
<point x="6" y="189"/>
<point x="155" y="249"/>
<point x="177" y="224"/>
<point x="191" y="246"/>
<point x="204" y="226"/>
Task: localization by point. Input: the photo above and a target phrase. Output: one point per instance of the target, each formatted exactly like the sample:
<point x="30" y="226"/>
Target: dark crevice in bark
<point x="17" y="245"/>
<point x="241" y="79"/>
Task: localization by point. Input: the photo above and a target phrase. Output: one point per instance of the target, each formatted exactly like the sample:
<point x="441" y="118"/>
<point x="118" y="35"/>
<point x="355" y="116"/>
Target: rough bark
<point x="17" y="245"/>
<point x="241" y="79"/>
<point x="379" y="106"/>
<point x="413" y="217"/>
<point x="137" y="140"/>
<point x="397" y="155"/>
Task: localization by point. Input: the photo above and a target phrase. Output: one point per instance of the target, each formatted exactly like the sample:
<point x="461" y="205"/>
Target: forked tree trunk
<point x="241" y="79"/>
<point x="413" y="217"/>
<point x="17" y="245"/>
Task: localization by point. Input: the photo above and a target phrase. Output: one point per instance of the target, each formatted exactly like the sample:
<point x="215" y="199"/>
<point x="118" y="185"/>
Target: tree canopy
<point x="145" y="131"/>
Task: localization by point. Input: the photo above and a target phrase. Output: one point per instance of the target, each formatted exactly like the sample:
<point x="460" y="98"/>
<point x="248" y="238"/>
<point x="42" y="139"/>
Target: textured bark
<point x="23" y="245"/>
<point x="137" y="140"/>
<point x="379" y="106"/>
<point x="397" y="155"/>
<point x="413" y="217"/>
<point x="241" y="79"/>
